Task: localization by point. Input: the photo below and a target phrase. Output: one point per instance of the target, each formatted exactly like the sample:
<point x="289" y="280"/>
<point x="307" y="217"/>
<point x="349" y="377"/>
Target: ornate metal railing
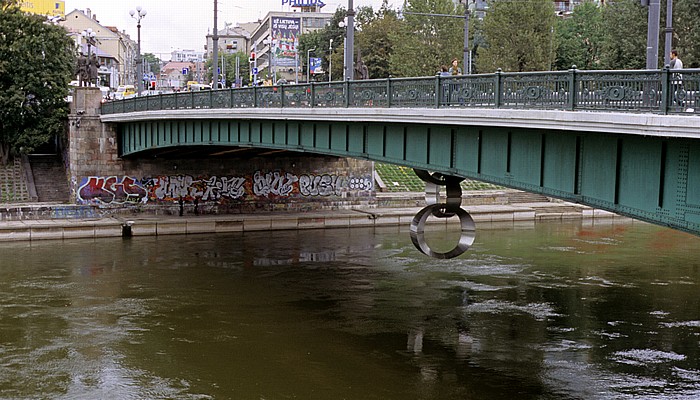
<point x="649" y="91"/>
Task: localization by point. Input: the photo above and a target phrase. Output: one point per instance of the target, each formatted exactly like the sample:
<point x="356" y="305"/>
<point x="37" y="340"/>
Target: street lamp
<point x="138" y="15"/>
<point x="89" y="36"/>
<point x="271" y="58"/>
<point x="330" y="60"/>
<point x="308" y="64"/>
<point x="349" y="42"/>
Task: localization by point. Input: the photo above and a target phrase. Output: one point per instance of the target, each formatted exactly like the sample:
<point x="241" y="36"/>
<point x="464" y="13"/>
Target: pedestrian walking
<point x="677" y="79"/>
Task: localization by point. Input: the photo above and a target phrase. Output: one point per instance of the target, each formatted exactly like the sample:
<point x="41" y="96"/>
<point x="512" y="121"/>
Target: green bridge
<point x="623" y="141"/>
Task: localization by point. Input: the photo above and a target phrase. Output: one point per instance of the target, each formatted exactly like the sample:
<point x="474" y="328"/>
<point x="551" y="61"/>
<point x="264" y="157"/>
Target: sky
<point x="183" y="24"/>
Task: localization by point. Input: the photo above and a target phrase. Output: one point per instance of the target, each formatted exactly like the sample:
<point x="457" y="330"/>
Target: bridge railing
<point x="651" y="91"/>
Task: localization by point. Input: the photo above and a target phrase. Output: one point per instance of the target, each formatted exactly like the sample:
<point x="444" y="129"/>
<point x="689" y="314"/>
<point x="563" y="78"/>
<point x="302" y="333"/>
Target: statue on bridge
<point x="86" y="69"/>
<point x="361" y="71"/>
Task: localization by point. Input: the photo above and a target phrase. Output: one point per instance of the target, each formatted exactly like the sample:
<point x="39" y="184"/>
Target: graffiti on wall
<point x="116" y="190"/>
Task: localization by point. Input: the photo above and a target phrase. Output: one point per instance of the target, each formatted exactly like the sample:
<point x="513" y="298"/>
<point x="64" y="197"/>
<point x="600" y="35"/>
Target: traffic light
<point x="153" y="85"/>
<point x="252" y="57"/>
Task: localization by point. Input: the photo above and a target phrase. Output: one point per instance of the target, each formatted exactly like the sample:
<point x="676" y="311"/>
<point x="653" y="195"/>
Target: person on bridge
<point x="455" y="69"/>
<point x="676" y="62"/>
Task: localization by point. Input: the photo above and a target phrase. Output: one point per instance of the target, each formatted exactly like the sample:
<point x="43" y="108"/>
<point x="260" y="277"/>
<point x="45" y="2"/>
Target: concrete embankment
<point x="142" y="225"/>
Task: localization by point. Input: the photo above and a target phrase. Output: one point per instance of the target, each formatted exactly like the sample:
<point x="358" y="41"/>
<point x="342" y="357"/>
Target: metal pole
<point x="668" y="46"/>
<point x="467" y="59"/>
<point x="330" y="61"/>
<point x="139" y="60"/>
<point x="349" y="40"/>
<point x="215" y="44"/>
<point x="653" y="34"/>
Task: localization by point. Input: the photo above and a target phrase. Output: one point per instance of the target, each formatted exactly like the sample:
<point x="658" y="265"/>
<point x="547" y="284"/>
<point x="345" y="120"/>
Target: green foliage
<point x="686" y="27"/>
<point x="321" y="41"/>
<point x="229" y="66"/>
<point x="624" y="35"/>
<point x="519" y="36"/>
<point x="151" y="63"/>
<point x="422" y="44"/>
<point x="37" y="61"/>
<point x="373" y="40"/>
<point x="580" y="38"/>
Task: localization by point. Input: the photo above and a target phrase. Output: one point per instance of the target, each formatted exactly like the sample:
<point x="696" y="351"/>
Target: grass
<point x="397" y="178"/>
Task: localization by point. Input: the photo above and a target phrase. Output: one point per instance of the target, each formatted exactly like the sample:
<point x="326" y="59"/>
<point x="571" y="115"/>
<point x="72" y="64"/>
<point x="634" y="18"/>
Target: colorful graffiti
<point x="114" y="190"/>
<point x="111" y="190"/>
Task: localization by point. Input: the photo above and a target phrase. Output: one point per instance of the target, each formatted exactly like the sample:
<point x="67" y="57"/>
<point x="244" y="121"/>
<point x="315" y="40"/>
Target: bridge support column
<point x="452" y="206"/>
<point x="93" y="146"/>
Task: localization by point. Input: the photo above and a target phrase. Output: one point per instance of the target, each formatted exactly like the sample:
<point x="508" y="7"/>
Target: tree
<point x="624" y="35"/>
<point x="151" y="64"/>
<point x="421" y="44"/>
<point x="37" y="61"/>
<point x="229" y="67"/>
<point x="686" y="27"/>
<point x="580" y="37"/>
<point x="374" y="43"/>
<point x="519" y="36"/>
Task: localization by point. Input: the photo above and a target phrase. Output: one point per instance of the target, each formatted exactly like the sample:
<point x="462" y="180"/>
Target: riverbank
<point x="83" y="224"/>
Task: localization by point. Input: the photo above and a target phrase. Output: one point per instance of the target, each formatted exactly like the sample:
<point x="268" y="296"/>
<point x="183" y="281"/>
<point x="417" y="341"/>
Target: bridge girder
<point x="656" y="179"/>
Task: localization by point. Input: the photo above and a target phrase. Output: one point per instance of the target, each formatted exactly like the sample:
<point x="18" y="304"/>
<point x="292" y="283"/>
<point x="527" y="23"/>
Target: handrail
<point x="642" y="91"/>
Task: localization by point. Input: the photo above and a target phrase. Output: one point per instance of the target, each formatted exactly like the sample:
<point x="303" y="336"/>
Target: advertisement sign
<point x="304" y="3"/>
<point x="315" y="65"/>
<point x="44" y="7"/>
<point x="285" y="41"/>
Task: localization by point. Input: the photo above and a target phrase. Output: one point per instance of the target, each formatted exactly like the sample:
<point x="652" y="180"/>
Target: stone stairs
<point x="50" y="178"/>
<point x="13" y="183"/>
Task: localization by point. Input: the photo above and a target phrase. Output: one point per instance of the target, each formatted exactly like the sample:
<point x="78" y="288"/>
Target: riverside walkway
<point x="30" y="228"/>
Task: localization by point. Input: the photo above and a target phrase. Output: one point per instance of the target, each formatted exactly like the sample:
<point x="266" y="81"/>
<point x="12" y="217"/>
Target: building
<point x="176" y="74"/>
<point x="275" y="41"/>
<point x="50" y="8"/>
<point x="232" y="39"/>
<point x="112" y="44"/>
<point x="187" y="56"/>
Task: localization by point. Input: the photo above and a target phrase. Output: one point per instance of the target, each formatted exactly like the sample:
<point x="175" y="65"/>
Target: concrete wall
<point x="212" y="185"/>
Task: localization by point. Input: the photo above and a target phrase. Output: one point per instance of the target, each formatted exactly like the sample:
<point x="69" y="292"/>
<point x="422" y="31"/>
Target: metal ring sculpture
<point x="450" y="208"/>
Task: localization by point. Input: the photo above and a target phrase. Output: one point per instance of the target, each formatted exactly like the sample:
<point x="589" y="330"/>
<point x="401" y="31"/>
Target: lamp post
<point x="89" y="36"/>
<point x="215" y="50"/>
<point x="138" y="15"/>
<point x="349" y="41"/>
<point x="271" y="58"/>
<point x="308" y="64"/>
<point x="330" y="60"/>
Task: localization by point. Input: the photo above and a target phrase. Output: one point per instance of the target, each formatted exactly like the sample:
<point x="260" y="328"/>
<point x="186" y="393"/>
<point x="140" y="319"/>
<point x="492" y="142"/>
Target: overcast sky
<point x="183" y="24"/>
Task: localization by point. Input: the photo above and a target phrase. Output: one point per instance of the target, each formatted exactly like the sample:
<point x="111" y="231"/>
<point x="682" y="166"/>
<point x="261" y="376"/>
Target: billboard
<point x="315" y="65"/>
<point x="304" y="3"/>
<point x="44" y="7"/>
<point x="285" y="39"/>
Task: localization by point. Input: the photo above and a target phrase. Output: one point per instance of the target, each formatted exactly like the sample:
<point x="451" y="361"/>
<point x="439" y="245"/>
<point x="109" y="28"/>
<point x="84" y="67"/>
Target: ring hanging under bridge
<point x="436" y="208"/>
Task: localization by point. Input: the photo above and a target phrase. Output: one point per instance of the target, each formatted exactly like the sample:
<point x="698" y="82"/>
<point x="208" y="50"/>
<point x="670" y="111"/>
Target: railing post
<point x="573" y="89"/>
<point x="312" y="92"/>
<point x="347" y="93"/>
<point x="388" y="92"/>
<point x="438" y="91"/>
<point x="666" y="87"/>
<point x="498" y="88"/>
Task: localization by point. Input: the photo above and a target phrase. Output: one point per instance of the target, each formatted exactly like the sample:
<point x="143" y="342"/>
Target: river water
<point x="546" y="311"/>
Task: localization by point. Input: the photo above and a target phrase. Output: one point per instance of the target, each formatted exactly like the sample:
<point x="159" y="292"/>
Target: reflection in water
<point x="554" y="311"/>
